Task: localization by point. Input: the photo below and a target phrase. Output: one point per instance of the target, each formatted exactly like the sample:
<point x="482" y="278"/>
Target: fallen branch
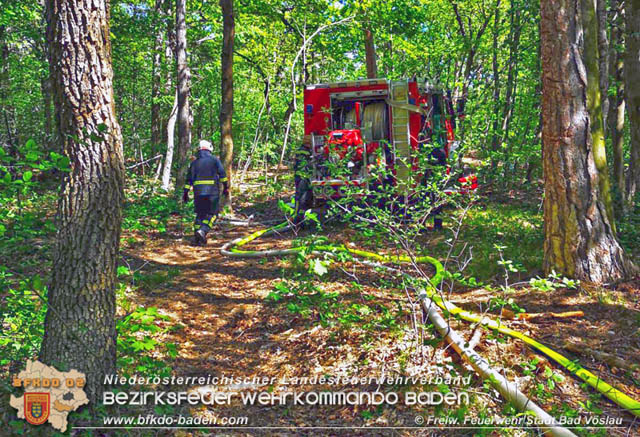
<point x="508" y="314"/>
<point x="612" y="360"/>
<point x="506" y="388"/>
<point x="475" y="338"/>
<point x="144" y="162"/>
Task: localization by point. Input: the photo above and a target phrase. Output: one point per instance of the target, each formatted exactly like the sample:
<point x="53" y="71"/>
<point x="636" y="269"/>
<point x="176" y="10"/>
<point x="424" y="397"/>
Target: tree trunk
<point x="80" y="330"/>
<point x="632" y="91"/>
<point x="226" y="104"/>
<point x="184" y="87"/>
<point x="617" y="104"/>
<point x="496" y="90"/>
<point x="579" y="241"/>
<point x="168" y="160"/>
<point x="592" y="63"/>
<point x="4" y="87"/>
<point x="472" y="42"/>
<point x="370" y="54"/>
<point x="156" y="118"/>
<point x="603" y="50"/>
<point x="512" y="74"/>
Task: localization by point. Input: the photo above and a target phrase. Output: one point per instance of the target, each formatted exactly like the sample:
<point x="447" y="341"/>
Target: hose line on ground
<point x="430" y="294"/>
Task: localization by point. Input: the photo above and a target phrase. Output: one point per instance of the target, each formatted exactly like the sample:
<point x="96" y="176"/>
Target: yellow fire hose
<point x="618" y="397"/>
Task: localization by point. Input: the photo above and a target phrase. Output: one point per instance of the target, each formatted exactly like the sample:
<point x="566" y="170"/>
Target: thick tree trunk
<point x="579" y="241"/>
<point x="617" y="105"/>
<point x="632" y="91"/>
<point x="592" y="63"/>
<point x="226" y="104"/>
<point x="370" y="54"/>
<point x="80" y="330"/>
<point x="184" y="88"/>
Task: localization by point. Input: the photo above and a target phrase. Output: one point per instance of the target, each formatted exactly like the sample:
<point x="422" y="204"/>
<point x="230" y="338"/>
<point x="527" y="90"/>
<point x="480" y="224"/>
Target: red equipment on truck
<point x="371" y="123"/>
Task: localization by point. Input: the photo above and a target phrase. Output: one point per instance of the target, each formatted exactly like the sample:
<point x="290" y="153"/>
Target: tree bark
<point x="168" y="159"/>
<point x="226" y="104"/>
<point x="80" y="330"/>
<point x="579" y="241"/>
<point x="370" y="54"/>
<point x="632" y="91"/>
<point x="184" y="88"/>
<point x="591" y="59"/>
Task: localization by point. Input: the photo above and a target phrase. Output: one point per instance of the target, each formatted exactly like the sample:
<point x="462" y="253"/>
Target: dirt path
<point x="230" y="329"/>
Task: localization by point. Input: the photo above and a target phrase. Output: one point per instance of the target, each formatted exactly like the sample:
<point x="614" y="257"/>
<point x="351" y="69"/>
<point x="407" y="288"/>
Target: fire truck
<point x="366" y="124"/>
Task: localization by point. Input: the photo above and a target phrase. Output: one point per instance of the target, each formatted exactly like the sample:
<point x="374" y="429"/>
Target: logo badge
<point x="36" y="408"/>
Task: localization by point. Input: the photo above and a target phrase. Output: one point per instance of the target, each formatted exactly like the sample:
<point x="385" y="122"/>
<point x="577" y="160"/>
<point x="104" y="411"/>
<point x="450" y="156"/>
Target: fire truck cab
<point x="372" y="122"/>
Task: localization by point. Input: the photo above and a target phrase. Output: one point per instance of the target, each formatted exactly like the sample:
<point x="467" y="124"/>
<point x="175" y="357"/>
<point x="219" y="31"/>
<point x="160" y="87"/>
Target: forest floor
<point x="189" y="311"/>
<point x="268" y="318"/>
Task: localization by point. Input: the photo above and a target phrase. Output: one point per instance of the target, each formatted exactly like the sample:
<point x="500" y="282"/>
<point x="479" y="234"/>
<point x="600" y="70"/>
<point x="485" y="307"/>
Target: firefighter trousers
<point x="206" y="211"/>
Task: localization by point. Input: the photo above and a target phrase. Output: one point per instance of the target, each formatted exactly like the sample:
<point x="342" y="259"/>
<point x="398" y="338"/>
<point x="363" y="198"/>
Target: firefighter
<point x="205" y="174"/>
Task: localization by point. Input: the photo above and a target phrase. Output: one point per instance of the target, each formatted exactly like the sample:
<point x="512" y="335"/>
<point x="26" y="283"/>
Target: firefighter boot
<point x="437" y="223"/>
<point x="200" y="238"/>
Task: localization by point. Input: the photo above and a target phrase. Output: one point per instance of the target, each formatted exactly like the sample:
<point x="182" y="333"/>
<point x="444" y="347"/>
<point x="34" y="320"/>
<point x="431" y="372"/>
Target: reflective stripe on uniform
<point x="187" y="187"/>
<point x="223" y="180"/>
<point x="204" y="182"/>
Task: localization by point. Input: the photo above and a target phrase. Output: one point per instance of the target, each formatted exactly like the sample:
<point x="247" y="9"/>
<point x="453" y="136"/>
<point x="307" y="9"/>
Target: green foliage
<point x="497" y="303"/>
<point x="553" y="282"/>
<point x="149" y="211"/>
<point x="301" y="295"/>
<point x="547" y="378"/>
<point x="22" y="312"/>
<point x="516" y="229"/>
<point x="136" y="339"/>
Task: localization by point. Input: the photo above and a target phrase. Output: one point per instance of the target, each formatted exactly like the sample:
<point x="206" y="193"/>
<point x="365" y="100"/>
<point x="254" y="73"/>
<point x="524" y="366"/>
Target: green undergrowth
<point x="27" y="235"/>
<point x="491" y="235"/>
<point x="148" y="208"/>
<point x="140" y="350"/>
<point x="629" y="231"/>
<point x="349" y="310"/>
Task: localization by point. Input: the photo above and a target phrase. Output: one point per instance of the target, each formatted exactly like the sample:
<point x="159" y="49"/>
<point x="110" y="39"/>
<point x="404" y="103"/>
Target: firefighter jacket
<point x="204" y="175"/>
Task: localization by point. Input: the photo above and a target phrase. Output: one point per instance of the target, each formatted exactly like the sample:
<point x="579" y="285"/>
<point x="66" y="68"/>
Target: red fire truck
<point x="371" y="123"/>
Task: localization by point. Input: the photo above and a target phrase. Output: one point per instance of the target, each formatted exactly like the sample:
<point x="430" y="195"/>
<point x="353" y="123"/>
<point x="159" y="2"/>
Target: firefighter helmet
<point x="205" y="145"/>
